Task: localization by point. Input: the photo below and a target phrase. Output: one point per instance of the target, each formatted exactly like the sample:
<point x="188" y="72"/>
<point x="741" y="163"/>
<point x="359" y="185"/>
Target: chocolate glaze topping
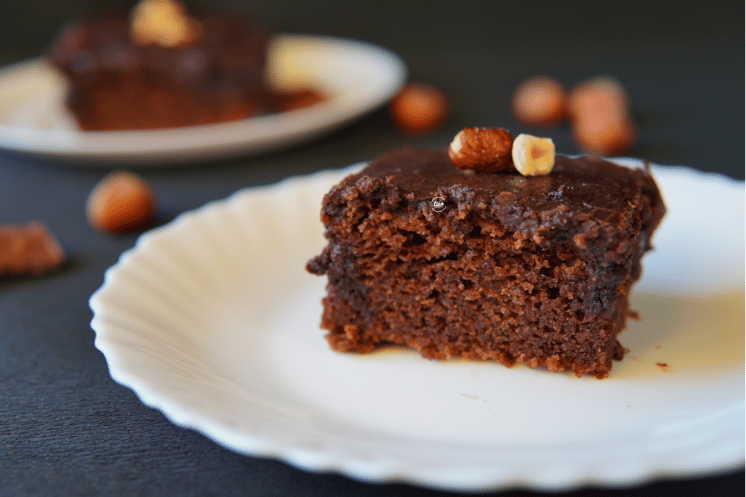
<point x="582" y="195"/>
<point x="585" y="182"/>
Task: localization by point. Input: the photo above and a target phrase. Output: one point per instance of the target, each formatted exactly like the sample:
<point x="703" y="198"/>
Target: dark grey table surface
<point x="66" y="428"/>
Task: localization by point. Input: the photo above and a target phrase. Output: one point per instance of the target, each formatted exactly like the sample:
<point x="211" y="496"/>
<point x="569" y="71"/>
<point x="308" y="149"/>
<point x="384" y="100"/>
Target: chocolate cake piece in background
<point x="496" y="267"/>
<point x="160" y="66"/>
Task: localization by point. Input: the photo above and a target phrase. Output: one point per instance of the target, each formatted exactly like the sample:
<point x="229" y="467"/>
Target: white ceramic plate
<point x="214" y="321"/>
<point x="357" y="77"/>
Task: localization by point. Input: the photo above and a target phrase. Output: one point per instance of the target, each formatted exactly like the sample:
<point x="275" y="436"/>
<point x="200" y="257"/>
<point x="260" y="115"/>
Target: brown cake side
<point x="506" y="268"/>
<point x="118" y="83"/>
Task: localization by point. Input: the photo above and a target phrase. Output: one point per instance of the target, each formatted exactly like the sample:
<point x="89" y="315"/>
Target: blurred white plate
<point x="357" y="76"/>
<point x="214" y="321"/>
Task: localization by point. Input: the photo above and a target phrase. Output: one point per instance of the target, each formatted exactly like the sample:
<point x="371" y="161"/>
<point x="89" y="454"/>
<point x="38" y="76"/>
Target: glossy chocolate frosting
<point x="585" y="185"/>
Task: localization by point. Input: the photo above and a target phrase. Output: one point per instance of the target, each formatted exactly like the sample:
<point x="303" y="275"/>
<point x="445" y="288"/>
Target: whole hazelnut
<point x="602" y="123"/>
<point x="120" y="202"/>
<point x="419" y="108"/>
<point x="482" y="150"/>
<point x="600" y="95"/>
<point x="604" y="134"/>
<point x="540" y="101"/>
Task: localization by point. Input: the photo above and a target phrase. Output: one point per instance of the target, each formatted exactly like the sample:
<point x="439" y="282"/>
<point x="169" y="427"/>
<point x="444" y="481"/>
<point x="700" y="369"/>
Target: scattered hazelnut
<point x="419" y="108"/>
<point x="540" y="101"/>
<point x="163" y="22"/>
<point x="533" y="156"/>
<point x="601" y="118"/>
<point x="483" y="150"/>
<point x="600" y="95"/>
<point x="604" y="134"/>
<point x="121" y="202"/>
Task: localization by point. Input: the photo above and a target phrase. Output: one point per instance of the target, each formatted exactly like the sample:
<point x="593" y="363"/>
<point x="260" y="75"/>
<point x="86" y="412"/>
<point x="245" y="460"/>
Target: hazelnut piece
<point x="533" y="156"/>
<point x="482" y="150"/>
<point x="28" y="249"/>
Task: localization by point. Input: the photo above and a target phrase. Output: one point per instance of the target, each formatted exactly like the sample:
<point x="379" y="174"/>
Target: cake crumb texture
<point x="514" y="270"/>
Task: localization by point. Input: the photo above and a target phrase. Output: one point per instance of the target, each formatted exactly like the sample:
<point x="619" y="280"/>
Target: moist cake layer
<point x="486" y="266"/>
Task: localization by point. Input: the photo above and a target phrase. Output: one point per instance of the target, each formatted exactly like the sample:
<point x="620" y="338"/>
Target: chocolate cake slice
<point x="159" y="66"/>
<point x="496" y="266"/>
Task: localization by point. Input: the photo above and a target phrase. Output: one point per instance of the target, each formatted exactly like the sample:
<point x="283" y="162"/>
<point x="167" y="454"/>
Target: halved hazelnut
<point x="533" y="156"/>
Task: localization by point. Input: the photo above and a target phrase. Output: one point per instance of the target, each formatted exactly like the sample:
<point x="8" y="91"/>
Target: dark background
<point x="67" y="429"/>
